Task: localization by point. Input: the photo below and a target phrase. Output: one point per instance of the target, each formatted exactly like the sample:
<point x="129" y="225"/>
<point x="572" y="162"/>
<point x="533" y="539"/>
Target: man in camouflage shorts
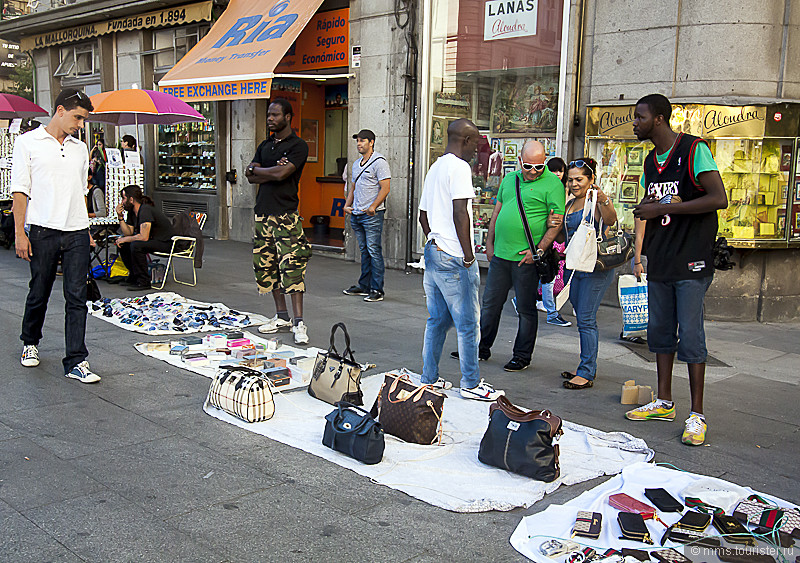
<point x="280" y="249"/>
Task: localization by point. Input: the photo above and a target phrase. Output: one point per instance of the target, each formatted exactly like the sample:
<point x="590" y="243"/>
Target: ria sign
<point x="251" y="28"/>
<point x="504" y="19"/>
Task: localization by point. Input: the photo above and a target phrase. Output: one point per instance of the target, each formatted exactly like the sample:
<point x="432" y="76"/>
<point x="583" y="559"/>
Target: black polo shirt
<point x="277" y="198"/>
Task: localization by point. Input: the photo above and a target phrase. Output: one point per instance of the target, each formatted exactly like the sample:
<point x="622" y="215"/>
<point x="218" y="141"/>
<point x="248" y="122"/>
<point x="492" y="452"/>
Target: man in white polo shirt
<point x="49" y="168"/>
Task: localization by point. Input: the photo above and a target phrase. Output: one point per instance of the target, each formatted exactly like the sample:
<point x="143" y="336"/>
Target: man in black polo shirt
<point x="280" y="248"/>
<point x="145" y="229"/>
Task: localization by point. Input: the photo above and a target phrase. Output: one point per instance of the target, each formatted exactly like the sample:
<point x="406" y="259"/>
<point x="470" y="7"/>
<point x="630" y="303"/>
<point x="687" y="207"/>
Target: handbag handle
<point x="515" y="413"/>
<point x="348" y="353"/>
<point x="344" y="405"/>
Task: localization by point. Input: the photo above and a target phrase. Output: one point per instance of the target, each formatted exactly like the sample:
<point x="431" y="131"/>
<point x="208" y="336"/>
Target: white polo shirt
<point x="54" y="177"/>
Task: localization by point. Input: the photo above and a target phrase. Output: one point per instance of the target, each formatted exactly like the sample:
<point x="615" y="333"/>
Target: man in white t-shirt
<point x="49" y="168"/>
<point x="452" y="278"/>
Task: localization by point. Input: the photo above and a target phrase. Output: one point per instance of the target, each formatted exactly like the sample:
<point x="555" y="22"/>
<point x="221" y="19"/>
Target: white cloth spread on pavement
<point x="557" y="520"/>
<point x="137" y="315"/>
<point x="448" y="476"/>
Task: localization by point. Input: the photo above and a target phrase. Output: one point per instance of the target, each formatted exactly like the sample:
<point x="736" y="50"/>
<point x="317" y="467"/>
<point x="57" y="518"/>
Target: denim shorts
<point x="676" y="318"/>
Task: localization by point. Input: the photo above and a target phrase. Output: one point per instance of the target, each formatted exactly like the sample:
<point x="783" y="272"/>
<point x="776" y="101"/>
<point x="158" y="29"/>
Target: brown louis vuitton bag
<point x="409" y="412"/>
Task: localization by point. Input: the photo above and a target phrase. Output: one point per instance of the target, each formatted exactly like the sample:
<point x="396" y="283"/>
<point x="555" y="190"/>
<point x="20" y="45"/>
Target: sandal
<point x="567" y="375"/>
<point x="570" y="385"/>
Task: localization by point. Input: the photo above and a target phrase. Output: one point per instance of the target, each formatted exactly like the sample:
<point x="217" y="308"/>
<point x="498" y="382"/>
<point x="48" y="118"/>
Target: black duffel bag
<point x="521" y="441"/>
<point x="352" y="431"/>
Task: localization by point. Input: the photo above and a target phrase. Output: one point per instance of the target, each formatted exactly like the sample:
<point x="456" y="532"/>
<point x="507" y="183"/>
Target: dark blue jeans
<point x="502" y="276"/>
<point x="368" y="230"/>
<point x="72" y="247"/>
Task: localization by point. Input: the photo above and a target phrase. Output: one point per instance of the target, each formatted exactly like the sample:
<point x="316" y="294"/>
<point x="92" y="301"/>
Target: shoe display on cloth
<point x="652" y="411"/>
<point x="275" y="324"/>
<point x="441" y="384"/>
<point x="355" y="290"/>
<point x="482" y="392"/>
<point x="300" y="333"/>
<point x="558" y="320"/>
<point x="540" y="307"/>
<point x="374" y="296"/>
<point x="516" y="364"/>
<point x="30" y="356"/>
<point x="695" y="432"/>
<point x="82" y="373"/>
<point x="481" y="357"/>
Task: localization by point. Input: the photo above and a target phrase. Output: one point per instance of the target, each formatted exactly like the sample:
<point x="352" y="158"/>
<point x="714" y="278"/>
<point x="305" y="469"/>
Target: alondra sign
<point x="504" y="19"/>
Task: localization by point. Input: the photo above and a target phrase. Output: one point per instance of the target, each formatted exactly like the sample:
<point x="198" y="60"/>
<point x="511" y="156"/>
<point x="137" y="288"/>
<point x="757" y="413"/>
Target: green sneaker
<point x="652" y="411"/>
<point x="695" y="432"/>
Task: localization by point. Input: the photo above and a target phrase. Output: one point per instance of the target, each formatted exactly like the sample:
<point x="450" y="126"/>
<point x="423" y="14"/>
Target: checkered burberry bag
<point x="242" y="392"/>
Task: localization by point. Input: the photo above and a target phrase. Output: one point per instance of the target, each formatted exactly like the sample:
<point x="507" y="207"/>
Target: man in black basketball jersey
<point x="683" y="191"/>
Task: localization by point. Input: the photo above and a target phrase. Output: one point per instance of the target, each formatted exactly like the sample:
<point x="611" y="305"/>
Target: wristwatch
<point x="539" y="253"/>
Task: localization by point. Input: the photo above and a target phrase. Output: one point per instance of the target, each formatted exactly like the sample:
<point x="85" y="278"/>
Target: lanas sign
<point x="504" y="19"/>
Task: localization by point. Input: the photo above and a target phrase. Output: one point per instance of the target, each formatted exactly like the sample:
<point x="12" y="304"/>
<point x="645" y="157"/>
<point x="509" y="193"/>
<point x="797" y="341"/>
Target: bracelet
<point x="470" y="263"/>
<point x="637" y="263"/>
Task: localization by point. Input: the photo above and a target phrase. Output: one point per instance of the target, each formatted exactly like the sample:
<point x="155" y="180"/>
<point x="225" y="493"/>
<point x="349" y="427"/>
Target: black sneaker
<point x="481" y="356"/>
<point x="374" y="296"/>
<point x="516" y="364"/>
<point x="355" y="290"/>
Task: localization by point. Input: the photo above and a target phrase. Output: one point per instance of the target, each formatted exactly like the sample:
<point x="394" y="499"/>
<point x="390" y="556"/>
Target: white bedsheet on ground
<point x="180" y="305"/>
<point x="448" y="476"/>
<point x="556" y="521"/>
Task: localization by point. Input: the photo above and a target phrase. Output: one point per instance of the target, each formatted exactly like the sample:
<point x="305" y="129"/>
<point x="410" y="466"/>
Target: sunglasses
<point x="581" y="164"/>
<point x="528" y="166"/>
<point x="80" y="95"/>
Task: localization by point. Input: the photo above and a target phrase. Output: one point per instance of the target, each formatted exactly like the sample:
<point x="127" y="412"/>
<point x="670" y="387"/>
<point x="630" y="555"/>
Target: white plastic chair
<point x="186" y="254"/>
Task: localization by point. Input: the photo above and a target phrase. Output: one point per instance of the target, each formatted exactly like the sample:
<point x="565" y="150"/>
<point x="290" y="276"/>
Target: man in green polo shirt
<point x="511" y="260"/>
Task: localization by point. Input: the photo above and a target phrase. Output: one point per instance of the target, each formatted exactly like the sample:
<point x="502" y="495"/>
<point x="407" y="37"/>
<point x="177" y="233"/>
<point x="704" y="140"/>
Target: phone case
<point x="663" y="500"/>
<point x="627" y="503"/>
<point x="669" y="555"/>
<point x="695" y="521"/>
<point x="732" y="529"/>
<point x="633" y="527"/>
<point x="588" y="524"/>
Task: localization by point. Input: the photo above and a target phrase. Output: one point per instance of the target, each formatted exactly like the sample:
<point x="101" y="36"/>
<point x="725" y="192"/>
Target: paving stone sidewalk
<point x="131" y="469"/>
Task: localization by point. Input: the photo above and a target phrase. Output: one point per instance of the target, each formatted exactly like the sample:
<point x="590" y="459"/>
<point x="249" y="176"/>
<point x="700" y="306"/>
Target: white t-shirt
<point x="449" y="178"/>
<point x="54" y="177"/>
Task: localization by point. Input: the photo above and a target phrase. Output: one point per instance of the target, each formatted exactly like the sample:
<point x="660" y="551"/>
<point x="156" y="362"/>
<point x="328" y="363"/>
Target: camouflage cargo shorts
<point x="280" y="253"/>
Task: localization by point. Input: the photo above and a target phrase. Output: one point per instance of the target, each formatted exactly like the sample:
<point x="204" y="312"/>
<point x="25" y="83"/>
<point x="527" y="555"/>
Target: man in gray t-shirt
<point x="369" y="186"/>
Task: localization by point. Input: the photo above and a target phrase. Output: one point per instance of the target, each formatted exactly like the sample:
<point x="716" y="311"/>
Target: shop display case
<point x="187" y="154"/>
<point x="6" y="150"/>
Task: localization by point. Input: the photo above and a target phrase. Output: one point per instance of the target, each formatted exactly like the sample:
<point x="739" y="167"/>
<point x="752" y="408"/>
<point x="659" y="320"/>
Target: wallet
<point x="588" y="524"/>
<point x="638" y="554"/>
<point x="732" y="529"/>
<point x="738" y="555"/>
<point x="670" y="555"/>
<point x="679" y="535"/>
<point x="663" y="500"/>
<point x="633" y="527"/>
<point x="695" y="521"/>
<point x="627" y="503"/>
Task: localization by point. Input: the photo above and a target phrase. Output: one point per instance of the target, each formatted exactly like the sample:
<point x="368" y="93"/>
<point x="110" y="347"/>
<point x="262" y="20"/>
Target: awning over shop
<point x="237" y="58"/>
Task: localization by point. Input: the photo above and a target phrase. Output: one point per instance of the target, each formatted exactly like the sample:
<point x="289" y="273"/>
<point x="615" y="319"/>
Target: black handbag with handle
<point x="613" y="250"/>
<point x="352" y="431"/>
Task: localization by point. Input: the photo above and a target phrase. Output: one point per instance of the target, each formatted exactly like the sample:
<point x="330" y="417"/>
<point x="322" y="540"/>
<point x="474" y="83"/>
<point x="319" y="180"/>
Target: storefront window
<point x="187" y="154"/>
<point x="173" y="43"/>
<point x="501" y="70"/>
<point x="78" y="60"/>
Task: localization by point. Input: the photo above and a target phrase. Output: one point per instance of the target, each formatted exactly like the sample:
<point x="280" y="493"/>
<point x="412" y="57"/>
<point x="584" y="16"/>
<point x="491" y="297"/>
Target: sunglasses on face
<point x="527" y="166"/>
<point x="581" y="164"/>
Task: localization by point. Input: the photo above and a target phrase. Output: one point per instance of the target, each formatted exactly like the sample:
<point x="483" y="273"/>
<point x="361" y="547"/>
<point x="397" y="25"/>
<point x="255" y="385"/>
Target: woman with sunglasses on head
<point x="586" y="288"/>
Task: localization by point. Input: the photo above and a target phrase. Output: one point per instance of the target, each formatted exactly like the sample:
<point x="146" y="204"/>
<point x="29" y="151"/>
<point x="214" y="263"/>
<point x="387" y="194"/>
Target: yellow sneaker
<point x="652" y="411"/>
<point x="695" y="432"/>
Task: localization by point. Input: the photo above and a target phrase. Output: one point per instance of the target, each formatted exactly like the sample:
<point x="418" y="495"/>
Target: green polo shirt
<point x="539" y="197"/>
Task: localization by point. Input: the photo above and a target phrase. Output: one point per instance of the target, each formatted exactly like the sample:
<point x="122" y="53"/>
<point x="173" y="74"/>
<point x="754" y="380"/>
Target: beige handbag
<point x="242" y="392"/>
<point x="337" y="377"/>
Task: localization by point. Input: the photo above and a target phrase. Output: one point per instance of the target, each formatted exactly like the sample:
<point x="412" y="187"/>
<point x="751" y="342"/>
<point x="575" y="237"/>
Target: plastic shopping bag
<point x="633" y="300"/>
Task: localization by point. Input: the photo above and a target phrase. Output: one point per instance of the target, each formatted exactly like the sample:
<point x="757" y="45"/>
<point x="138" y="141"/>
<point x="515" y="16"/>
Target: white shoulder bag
<point x="582" y="247"/>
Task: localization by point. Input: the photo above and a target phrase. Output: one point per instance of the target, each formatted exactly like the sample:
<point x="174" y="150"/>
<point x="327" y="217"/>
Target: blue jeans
<point x="73" y="248"/>
<point x="585" y="293"/>
<point x="451" y="293"/>
<point x="368" y="230"/>
<point x="675" y="320"/>
<point x="502" y="276"/>
<point x="549" y="300"/>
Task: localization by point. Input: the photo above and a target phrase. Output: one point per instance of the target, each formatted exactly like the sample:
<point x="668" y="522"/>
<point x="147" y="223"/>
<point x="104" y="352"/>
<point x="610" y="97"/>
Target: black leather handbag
<point x="613" y="250"/>
<point x="352" y="431"/>
<point x="521" y="441"/>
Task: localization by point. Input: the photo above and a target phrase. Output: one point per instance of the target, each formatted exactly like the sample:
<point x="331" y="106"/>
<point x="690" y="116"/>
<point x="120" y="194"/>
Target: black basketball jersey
<point x="678" y="247"/>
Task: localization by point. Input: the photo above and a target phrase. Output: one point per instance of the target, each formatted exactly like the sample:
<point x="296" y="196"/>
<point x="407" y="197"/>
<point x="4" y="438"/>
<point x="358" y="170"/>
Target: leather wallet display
<point x="588" y="524"/>
<point x="627" y="503"/>
<point x="732" y="530"/>
<point x="633" y="527"/>
<point x="695" y="521"/>
<point x="670" y="556"/>
<point x="638" y="554"/>
<point x="679" y="535"/>
<point x="663" y="500"/>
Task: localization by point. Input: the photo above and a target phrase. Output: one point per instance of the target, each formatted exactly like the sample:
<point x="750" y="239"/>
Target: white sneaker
<point x="483" y="392"/>
<point x="300" y="333"/>
<point x="30" y="356"/>
<point x="82" y="373"/>
<point x="540" y="306"/>
<point x="441" y="384"/>
<point x="274" y="324"/>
